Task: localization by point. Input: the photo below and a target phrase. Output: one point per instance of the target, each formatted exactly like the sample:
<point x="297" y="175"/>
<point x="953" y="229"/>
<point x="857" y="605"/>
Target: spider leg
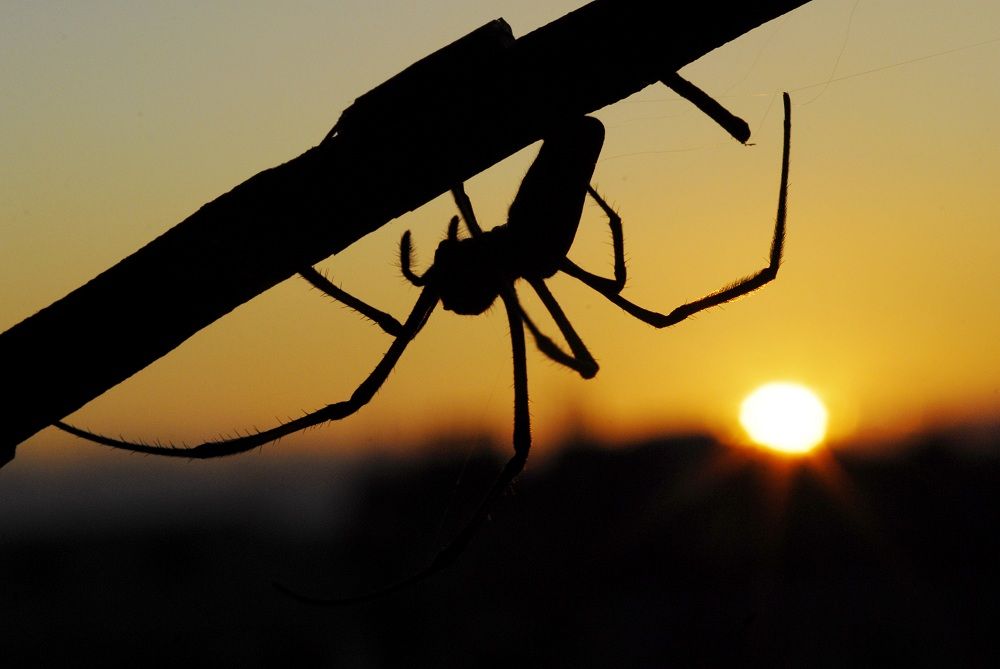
<point x="465" y="208"/>
<point x="362" y="395"/>
<point x="744" y="285"/>
<point x="522" y="446"/>
<point x="521" y="439"/>
<point x="545" y="344"/>
<point x="599" y="283"/>
<point x="731" y="123"/>
<point x="581" y="361"/>
<point x="385" y="321"/>
<point x="406" y="260"/>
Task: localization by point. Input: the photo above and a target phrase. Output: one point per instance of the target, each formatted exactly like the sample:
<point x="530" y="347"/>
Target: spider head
<point x="467" y="275"/>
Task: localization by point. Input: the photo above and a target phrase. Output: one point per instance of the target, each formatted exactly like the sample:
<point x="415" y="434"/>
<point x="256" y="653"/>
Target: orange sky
<point x="119" y="122"/>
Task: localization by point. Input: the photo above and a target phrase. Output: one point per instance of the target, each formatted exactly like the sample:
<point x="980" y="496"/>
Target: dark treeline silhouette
<point x="676" y="552"/>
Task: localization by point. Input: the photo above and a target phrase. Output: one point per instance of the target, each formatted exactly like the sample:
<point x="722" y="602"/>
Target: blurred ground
<point x="678" y="552"/>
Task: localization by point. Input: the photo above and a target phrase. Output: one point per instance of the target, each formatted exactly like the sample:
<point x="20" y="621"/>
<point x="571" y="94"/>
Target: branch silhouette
<point x="438" y="123"/>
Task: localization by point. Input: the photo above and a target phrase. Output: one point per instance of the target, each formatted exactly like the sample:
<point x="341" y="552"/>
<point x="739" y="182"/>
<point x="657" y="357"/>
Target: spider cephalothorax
<point x="468" y="274"/>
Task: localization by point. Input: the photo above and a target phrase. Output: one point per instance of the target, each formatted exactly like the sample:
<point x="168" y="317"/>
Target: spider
<point x="467" y="276"/>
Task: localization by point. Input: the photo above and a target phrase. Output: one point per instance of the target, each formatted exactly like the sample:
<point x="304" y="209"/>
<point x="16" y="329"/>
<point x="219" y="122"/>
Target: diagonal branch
<point x="396" y="148"/>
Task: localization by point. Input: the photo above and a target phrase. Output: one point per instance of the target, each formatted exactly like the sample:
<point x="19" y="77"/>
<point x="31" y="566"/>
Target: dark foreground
<point x="674" y="553"/>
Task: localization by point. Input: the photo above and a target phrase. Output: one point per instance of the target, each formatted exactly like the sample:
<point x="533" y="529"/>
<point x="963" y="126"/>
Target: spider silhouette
<point x="467" y="276"/>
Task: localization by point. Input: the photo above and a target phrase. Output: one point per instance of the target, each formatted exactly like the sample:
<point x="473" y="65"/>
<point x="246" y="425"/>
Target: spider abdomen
<point x="545" y="214"/>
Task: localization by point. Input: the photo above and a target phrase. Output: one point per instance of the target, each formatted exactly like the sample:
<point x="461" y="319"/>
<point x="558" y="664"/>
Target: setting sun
<point x="785" y="417"/>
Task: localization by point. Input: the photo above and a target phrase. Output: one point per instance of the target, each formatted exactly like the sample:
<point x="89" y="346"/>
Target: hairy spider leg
<point x="522" y="430"/>
<point x="546" y="345"/>
<point x="731" y="123"/>
<point x="464" y="205"/>
<point x="743" y="286"/>
<point x="385" y="321"/>
<point x="600" y="283"/>
<point x="361" y="396"/>
<point x="521" y="438"/>
<point x="522" y="446"/>
<point x="406" y="260"/>
<point x="581" y="361"/>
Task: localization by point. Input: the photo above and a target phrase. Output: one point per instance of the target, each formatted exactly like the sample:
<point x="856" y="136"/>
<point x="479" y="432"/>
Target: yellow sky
<point x="118" y="122"/>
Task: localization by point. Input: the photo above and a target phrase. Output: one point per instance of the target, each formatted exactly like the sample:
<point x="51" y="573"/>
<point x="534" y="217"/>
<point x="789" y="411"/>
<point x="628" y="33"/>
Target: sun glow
<point x="785" y="417"/>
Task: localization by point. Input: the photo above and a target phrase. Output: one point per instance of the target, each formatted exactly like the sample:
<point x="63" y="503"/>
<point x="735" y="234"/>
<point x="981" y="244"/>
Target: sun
<point x="786" y="417"/>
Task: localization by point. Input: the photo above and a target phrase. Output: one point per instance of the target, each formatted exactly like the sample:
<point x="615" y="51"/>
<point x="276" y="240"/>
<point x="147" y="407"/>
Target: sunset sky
<point x="118" y="120"/>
